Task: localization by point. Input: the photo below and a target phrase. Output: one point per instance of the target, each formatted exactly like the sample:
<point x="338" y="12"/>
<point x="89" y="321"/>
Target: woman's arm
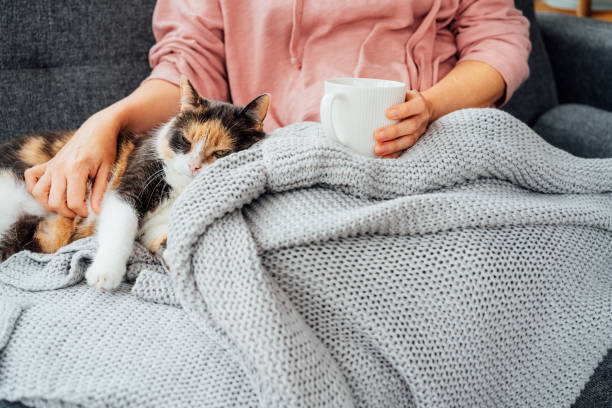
<point x="153" y="102"/>
<point x="492" y="39"/>
<point x="60" y="184"/>
<point x="470" y="84"/>
<point x="189" y="37"/>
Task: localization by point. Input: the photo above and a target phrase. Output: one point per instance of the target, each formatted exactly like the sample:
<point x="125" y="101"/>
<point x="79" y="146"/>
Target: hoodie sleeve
<point x="189" y="35"/>
<point x="494" y="32"/>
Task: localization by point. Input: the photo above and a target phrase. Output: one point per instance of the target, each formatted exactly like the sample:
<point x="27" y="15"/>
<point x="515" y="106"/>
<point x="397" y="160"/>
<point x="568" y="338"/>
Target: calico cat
<point x="148" y="175"/>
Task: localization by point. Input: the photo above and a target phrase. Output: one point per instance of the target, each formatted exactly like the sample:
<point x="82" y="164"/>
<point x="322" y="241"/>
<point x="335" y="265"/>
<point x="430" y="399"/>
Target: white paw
<point x="104" y="275"/>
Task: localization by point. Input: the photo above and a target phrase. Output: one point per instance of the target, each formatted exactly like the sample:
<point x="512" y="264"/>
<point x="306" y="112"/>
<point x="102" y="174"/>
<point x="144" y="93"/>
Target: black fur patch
<point x="177" y="141"/>
<point x="20" y="236"/>
<point x="143" y="184"/>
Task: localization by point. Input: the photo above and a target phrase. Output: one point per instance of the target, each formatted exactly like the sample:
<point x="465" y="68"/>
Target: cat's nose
<point x="195" y="167"/>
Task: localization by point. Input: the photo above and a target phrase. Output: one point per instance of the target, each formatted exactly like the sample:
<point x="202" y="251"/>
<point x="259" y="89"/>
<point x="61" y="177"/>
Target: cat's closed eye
<point x="184" y="141"/>
<point x="179" y="143"/>
<point x="221" y="153"/>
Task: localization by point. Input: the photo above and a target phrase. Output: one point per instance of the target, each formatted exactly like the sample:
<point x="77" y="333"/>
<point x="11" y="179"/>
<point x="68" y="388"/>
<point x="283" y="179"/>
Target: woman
<point x="452" y="54"/>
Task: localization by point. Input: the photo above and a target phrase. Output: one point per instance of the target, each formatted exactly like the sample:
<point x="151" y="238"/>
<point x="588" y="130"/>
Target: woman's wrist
<point x="430" y="107"/>
<point x="470" y="84"/>
<point x="431" y="97"/>
<point x="119" y="114"/>
<point x="152" y="103"/>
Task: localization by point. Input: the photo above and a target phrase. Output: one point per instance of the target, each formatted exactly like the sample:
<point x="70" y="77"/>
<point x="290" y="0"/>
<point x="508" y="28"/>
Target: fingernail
<point x="381" y="134"/>
<point x="393" y="113"/>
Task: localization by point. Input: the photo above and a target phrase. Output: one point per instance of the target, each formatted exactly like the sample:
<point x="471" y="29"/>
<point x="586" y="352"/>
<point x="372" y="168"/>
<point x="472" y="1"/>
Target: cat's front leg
<point x="117" y="227"/>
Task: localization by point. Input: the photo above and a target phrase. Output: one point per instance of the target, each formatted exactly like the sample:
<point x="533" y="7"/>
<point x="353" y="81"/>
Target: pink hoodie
<point x="235" y="50"/>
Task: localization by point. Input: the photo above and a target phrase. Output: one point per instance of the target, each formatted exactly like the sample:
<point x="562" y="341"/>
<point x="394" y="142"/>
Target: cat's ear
<point x="190" y="99"/>
<point x="257" y="109"/>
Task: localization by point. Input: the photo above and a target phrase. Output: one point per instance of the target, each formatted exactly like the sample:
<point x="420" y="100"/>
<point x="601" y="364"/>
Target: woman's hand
<point x="415" y="115"/>
<point x="60" y="185"/>
<point x="470" y="84"/>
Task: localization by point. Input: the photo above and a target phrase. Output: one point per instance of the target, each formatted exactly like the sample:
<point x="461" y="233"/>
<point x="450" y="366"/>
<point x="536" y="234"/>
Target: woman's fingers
<point x="61" y="183"/>
<point x="66" y="196"/>
<point x="416" y="113"/>
<point x="40" y="190"/>
<point x="100" y="187"/>
<point x="76" y="190"/>
<point x="414" y="105"/>
<point x="393" y="155"/>
<point x="32" y="175"/>
<point x="57" y="196"/>
<point x="396" y="146"/>
<point x="402" y="128"/>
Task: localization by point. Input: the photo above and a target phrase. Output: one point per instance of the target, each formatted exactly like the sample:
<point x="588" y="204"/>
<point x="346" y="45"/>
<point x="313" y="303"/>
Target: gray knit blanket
<point x="475" y="270"/>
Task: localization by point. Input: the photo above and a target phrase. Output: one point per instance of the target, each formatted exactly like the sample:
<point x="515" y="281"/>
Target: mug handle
<point x="327" y="104"/>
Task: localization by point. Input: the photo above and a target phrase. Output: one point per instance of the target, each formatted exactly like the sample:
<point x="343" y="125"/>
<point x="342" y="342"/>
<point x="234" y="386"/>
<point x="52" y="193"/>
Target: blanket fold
<point x="466" y="149"/>
<point x="473" y="271"/>
<point x="11" y="310"/>
<point x="32" y="271"/>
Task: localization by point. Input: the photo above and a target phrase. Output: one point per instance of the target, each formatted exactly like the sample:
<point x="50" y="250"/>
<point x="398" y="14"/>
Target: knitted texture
<point x="473" y="271"/>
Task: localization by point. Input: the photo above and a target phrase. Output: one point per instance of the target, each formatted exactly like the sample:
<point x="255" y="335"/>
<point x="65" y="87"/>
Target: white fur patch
<point x="117" y="229"/>
<point x="161" y="134"/>
<point x="177" y="170"/>
<point x="177" y="180"/>
<point x="15" y="201"/>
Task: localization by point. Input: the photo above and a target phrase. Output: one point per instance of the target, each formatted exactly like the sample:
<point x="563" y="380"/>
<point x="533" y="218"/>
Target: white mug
<point x="353" y="108"/>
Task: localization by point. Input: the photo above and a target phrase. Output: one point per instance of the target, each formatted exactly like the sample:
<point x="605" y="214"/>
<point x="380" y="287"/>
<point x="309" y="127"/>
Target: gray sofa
<point x="61" y="61"/>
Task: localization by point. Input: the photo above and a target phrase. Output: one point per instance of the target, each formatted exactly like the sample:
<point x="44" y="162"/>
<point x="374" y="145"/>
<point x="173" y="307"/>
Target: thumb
<point x="99" y="187"/>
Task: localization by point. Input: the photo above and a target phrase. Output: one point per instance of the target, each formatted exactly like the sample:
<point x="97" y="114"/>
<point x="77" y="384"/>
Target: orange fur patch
<point x="215" y="135"/>
<point x="32" y="152"/>
<point x="125" y="149"/>
<point x="85" y="229"/>
<point x="37" y="149"/>
<point x="61" y="142"/>
<point x="54" y="232"/>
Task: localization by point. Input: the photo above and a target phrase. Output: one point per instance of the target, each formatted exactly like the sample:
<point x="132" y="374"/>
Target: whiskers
<point x="158" y="175"/>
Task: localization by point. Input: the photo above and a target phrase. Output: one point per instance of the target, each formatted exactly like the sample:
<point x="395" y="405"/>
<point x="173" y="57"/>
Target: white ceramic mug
<point x="353" y="108"/>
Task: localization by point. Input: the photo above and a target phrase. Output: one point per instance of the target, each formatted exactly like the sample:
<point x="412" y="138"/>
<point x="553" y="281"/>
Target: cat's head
<point x="204" y="130"/>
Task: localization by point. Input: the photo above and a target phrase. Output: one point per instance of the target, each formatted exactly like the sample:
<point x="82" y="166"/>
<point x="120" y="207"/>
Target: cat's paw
<point x="105" y="276"/>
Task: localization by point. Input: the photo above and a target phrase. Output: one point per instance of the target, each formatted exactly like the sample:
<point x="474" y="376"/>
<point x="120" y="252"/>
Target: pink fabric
<point x="235" y="50"/>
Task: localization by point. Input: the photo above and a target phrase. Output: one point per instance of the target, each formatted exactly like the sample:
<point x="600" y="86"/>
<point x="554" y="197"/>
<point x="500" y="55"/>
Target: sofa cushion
<point x="62" y="60"/>
<point x="582" y="130"/>
<point x="6" y="404"/>
<point x="580" y="51"/>
<point x="538" y="93"/>
<point x="598" y="391"/>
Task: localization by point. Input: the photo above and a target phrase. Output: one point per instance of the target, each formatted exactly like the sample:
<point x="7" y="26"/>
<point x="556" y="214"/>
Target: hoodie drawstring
<point x="294" y="43"/>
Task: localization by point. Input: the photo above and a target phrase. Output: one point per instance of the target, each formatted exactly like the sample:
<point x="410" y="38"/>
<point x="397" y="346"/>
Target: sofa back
<point x="63" y="60"/>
